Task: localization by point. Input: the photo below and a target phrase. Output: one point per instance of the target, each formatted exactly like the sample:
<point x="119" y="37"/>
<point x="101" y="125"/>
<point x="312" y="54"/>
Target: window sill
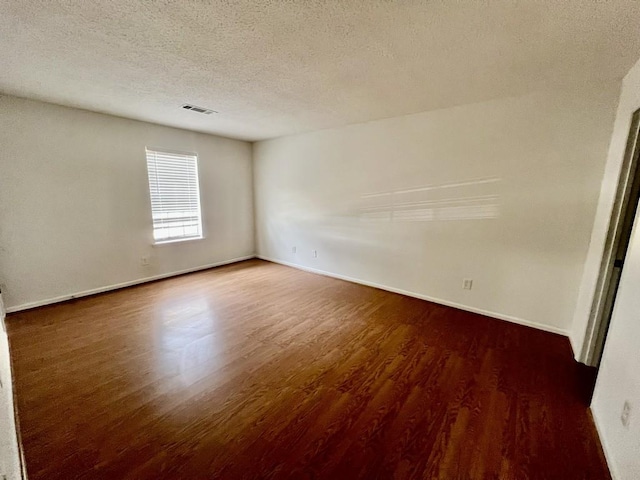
<point x="177" y="240"/>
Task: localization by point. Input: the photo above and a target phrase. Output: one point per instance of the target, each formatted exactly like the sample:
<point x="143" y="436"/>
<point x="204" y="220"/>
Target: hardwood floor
<point x="259" y="371"/>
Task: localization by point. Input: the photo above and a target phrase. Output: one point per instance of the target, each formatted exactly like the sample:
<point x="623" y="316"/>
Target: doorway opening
<point x="615" y="249"/>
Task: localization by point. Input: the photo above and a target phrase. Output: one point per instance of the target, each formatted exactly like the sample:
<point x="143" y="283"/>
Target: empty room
<point x="304" y="239"/>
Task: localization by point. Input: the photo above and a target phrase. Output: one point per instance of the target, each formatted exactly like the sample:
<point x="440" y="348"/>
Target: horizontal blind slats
<point x="175" y="195"/>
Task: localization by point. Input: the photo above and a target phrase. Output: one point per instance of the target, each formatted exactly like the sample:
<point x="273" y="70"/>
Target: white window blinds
<point x="175" y="196"/>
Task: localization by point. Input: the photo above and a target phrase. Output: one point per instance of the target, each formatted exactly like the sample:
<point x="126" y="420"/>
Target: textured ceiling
<point x="274" y="68"/>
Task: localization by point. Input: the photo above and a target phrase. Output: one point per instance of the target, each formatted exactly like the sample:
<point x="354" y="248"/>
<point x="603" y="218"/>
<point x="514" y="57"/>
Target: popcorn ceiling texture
<point x="274" y="68"/>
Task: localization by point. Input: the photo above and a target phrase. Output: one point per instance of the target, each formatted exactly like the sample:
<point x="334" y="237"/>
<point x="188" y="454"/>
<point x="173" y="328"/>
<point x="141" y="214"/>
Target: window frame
<point x="170" y="241"/>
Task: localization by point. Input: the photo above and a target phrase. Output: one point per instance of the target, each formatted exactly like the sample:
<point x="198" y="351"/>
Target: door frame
<point x="598" y="322"/>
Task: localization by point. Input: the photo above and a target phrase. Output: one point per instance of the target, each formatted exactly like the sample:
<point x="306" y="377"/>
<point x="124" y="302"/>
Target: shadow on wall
<point x="387" y="224"/>
<point x="468" y="200"/>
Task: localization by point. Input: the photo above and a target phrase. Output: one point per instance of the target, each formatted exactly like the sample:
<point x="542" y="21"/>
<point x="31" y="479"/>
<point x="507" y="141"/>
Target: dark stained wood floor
<point x="259" y="371"/>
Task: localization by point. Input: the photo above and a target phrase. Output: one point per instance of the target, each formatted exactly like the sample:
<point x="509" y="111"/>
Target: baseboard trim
<point x="440" y="301"/>
<point x="605" y="449"/>
<point x="108" y="288"/>
<point x="575" y="350"/>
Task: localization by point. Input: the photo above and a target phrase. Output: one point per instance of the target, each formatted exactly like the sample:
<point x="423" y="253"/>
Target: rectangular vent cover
<point x="193" y="108"/>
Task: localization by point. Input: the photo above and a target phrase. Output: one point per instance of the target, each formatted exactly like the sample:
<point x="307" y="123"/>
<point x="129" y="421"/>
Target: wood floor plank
<point x="259" y="371"/>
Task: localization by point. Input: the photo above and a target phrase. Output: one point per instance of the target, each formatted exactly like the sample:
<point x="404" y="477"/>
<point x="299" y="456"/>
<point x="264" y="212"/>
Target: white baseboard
<point x="605" y="449"/>
<point x="499" y="316"/>
<point x="508" y="318"/>
<point x="575" y="349"/>
<point x="84" y="293"/>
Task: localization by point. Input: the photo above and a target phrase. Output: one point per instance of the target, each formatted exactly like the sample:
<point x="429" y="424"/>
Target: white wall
<point x="619" y="374"/>
<point x="532" y="163"/>
<point x="74" y="201"/>
<point x="9" y="453"/>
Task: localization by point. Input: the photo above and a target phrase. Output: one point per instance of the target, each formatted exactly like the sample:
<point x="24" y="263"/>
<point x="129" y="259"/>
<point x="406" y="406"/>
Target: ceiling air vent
<point x="193" y="108"/>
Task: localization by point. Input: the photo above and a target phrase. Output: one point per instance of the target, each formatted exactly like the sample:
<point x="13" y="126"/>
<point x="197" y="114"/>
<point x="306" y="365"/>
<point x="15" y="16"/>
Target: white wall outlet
<point x="626" y="414"/>
<point x="294" y="250"/>
<point x="144" y="261"/>
<point x="467" y="283"/>
<point x="315" y="254"/>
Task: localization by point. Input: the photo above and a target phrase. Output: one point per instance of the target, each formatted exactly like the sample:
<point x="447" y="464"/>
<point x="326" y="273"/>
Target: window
<point x="175" y="196"/>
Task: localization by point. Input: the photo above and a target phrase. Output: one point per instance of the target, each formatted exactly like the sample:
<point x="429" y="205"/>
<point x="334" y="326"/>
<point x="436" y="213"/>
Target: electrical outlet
<point x="315" y="254"/>
<point x="626" y="414"/>
<point x="467" y="283"/>
<point x="144" y="261"/>
<point x="294" y="250"/>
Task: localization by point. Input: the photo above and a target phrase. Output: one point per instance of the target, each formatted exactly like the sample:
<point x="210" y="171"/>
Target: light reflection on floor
<point x="189" y="344"/>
